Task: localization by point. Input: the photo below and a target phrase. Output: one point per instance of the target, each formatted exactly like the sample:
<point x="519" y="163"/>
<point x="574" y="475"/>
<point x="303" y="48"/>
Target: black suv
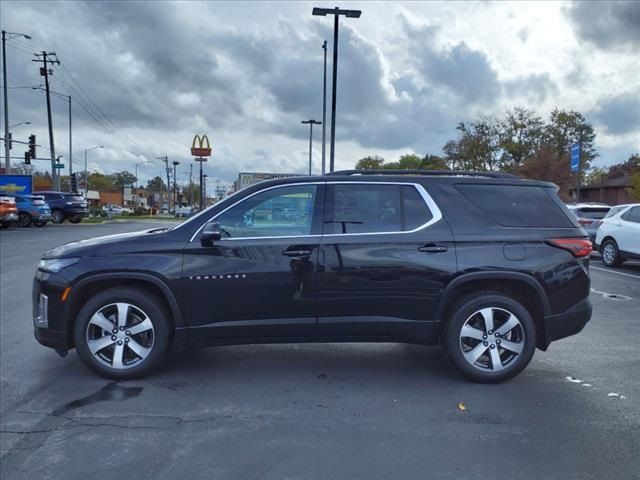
<point x="487" y="265"/>
<point x="66" y="206"/>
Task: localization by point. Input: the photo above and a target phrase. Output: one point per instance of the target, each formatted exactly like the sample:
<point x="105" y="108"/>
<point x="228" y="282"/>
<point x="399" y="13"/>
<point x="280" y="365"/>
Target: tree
<point x="433" y="162"/>
<point x="566" y="128"/>
<point x="545" y="165"/>
<point x="370" y="163"/>
<point x="123" y="179"/>
<point x="595" y="176"/>
<point x="630" y="167"/>
<point x="406" y="162"/>
<point x="156" y="184"/>
<point x="520" y="135"/>
<point x="100" y="182"/>
<point x="634" y="189"/>
<point x="477" y="146"/>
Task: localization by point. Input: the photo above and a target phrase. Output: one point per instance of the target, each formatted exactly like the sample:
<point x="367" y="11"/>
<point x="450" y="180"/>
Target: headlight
<point x="55" y="265"/>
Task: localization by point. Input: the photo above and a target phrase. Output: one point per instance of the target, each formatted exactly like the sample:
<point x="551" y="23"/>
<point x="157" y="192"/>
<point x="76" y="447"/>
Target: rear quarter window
<point x="517" y="206"/>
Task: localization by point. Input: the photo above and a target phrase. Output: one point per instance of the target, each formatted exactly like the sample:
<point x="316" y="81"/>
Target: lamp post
<point x="324" y="109"/>
<point x="204" y="189"/>
<point x="7" y="36"/>
<point x="86" y="172"/>
<point x="311" y="123"/>
<point x="336" y="12"/>
<point x="175" y="185"/>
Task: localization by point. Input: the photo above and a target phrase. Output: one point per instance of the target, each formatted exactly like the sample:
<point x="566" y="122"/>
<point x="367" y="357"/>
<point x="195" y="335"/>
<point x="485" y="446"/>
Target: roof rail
<point x="435" y="173"/>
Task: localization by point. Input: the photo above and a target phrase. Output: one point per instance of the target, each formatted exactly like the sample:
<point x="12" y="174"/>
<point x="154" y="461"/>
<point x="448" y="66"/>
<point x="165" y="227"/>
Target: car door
<point x="258" y="280"/>
<point x="628" y="234"/>
<point x="385" y="256"/>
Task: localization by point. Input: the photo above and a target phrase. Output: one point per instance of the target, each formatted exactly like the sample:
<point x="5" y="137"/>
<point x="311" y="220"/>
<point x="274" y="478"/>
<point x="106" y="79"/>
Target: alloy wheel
<point x="120" y="335"/>
<point x="24" y="220"/>
<point x="491" y="339"/>
<point x="609" y="253"/>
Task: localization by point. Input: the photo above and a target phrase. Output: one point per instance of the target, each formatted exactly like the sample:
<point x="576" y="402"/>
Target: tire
<point x="466" y="337"/>
<point x="57" y="216"/>
<point x="75" y="219"/>
<point x="130" y="355"/>
<point x="24" y="220"/>
<point x="610" y="254"/>
<point x="41" y="223"/>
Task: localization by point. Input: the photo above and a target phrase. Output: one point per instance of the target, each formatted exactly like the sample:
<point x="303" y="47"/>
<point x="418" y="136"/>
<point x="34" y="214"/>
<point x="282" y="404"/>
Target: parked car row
<point x="613" y="231"/>
<point x="40" y="208"/>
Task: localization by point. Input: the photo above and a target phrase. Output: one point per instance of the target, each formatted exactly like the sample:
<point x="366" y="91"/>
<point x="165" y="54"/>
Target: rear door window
<point x="633" y="215"/>
<point x="374" y="208"/>
<point x="517" y="206"/>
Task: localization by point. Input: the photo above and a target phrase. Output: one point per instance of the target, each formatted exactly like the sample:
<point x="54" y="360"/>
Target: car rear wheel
<point x="24" y="220"/>
<point x="75" y="219"/>
<point x="57" y="216"/>
<point x="610" y="254"/>
<point x="122" y="333"/>
<point x="489" y="337"/>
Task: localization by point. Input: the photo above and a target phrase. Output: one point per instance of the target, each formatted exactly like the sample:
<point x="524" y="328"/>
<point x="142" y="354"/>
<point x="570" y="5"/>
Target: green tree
<point x="156" y="184"/>
<point x="476" y="148"/>
<point x="123" y="179"/>
<point x="634" y="189"/>
<point x="408" y="162"/>
<point x="630" y="167"/>
<point x="520" y="135"/>
<point x="566" y="128"/>
<point x="595" y="176"/>
<point x="433" y="162"/>
<point x="370" y="162"/>
<point x="100" y="182"/>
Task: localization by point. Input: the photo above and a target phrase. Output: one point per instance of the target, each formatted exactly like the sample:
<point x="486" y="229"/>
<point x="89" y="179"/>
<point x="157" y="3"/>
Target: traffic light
<point x="74" y="182"/>
<point x="9" y="136"/>
<point x="32" y="146"/>
<point x="27" y="158"/>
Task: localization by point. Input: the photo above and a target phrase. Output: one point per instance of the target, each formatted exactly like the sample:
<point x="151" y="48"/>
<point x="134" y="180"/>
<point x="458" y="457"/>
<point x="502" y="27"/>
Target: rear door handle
<point x="433" y="248"/>
<point x="296" y="253"/>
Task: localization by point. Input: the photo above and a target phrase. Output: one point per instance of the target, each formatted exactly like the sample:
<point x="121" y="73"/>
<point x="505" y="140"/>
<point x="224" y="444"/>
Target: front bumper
<point x="567" y="323"/>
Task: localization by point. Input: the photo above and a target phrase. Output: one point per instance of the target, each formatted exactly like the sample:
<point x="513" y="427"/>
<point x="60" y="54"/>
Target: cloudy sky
<point x="145" y="76"/>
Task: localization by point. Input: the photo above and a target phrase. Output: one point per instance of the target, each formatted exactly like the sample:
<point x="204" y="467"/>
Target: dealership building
<point x="246" y="179"/>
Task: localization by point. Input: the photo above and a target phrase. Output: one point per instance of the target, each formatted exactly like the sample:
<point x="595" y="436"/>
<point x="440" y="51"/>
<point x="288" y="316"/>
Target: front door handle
<point x="300" y="253"/>
<point x="433" y="248"/>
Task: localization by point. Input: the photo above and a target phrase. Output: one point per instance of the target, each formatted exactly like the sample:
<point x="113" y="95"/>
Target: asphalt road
<point x="318" y="411"/>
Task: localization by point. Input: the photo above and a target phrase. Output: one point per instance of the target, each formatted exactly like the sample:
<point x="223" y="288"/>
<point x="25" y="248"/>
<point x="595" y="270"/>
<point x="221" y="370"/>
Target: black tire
<point x="24" y="220"/>
<point x="524" y="336"/>
<point x="610" y="253"/>
<point x="41" y="223"/>
<point x="75" y="219"/>
<point x="140" y="300"/>
<point x="57" y="216"/>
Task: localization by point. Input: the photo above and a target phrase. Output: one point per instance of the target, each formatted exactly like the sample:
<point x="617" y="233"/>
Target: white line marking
<point x="613" y="271"/>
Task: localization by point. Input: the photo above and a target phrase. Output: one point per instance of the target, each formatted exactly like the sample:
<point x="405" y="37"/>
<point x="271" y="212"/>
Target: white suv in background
<point x="618" y="238"/>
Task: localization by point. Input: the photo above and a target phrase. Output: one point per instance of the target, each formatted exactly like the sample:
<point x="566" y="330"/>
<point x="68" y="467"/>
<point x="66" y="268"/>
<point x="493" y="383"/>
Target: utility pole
<point x="70" y="143"/>
<point x="175" y="185"/>
<point x="336" y="12"/>
<point x="165" y="159"/>
<point x="324" y="109"/>
<point x="44" y="71"/>
<point x="7" y="153"/>
<point x="311" y="123"/>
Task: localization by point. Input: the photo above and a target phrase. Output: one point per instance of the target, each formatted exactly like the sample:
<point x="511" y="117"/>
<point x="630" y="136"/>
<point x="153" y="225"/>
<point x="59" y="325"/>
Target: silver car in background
<point x="590" y="216"/>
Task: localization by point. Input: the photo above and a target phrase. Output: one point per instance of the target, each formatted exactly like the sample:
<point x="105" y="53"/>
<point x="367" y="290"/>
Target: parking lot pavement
<point x="318" y="411"/>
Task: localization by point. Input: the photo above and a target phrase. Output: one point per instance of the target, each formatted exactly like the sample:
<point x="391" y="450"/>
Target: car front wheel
<point x="610" y="253"/>
<point x="122" y="333"/>
<point x="24" y="220"/>
<point x="489" y="337"/>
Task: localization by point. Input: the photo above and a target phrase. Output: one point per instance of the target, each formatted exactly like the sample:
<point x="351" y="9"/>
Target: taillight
<point x="583" y="222"/>
<point x="579" y="247"/>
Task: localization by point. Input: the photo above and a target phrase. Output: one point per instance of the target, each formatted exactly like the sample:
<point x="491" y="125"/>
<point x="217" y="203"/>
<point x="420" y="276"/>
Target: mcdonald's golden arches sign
<point x="201" y="146"/>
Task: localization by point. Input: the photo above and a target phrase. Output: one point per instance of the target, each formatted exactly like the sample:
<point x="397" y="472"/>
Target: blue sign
<point x="12" y="184"/>
<point x="575" y="157"/>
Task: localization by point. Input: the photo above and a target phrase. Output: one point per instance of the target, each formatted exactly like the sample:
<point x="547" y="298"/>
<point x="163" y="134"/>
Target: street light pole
<point x="336" y="12"/>
<point x="175" y="185"/>
<point x="204" y="189"/>
<point x="311" y="123"/>
<point x="324" y="109"/>
<point x="7" y="153"/>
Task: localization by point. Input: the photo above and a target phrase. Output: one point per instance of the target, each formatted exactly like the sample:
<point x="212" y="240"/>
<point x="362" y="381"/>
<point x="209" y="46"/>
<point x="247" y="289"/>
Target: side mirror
<point x="210" y="233"/>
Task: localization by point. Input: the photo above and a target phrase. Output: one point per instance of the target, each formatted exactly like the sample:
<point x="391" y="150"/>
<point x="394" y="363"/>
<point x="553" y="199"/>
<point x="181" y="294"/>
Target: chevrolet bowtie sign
<point x="201" y="146"/>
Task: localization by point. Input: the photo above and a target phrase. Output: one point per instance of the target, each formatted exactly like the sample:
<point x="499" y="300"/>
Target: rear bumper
<point x="73" y="212"/>
<point x="9" y="217"/>
<point x="567" y="323"/>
